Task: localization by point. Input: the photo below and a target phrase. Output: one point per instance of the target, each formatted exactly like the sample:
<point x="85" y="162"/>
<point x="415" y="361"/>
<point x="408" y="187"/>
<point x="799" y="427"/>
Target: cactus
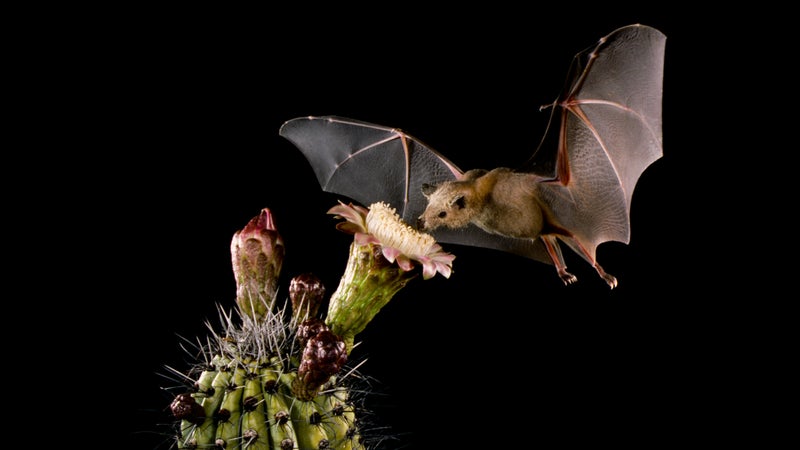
<point x="276" y="375"/>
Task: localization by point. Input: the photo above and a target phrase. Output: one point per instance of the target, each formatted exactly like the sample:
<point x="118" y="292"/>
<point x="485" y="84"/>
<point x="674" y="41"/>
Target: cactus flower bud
<point x="310" y="328"/>
<point x="268" y="380"/>
<point x="257" y="253"/>
<point x="306" y="292"/>
<point x="323" y="356"/>
<point x="185" y="407"/>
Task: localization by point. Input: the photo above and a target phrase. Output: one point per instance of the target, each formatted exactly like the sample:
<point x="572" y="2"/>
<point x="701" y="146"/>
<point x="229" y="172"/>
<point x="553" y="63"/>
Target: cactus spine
<point x="273" y="378"/>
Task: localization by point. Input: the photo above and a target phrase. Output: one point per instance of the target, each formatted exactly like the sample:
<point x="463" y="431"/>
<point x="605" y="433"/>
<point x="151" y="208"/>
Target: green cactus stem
<point x="368" y="283"/>
<point x="266" y="386"/>
<point x="381" y="263"/>
<point x="278" y="381"/>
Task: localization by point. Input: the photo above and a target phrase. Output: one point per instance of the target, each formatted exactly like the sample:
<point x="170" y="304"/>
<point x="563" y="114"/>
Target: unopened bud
<point x="185" y="407"/>
<point x="323" y="356"/>
<point x="306" y="292"/>
<point x="257" y="254"/>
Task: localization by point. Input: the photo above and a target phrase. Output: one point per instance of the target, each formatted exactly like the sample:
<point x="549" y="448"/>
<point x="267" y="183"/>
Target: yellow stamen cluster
<point x="384" y="223"/>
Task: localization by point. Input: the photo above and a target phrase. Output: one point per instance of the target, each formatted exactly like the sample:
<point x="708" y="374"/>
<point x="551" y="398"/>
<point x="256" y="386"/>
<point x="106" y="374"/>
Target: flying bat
<point x="578" y="192"/>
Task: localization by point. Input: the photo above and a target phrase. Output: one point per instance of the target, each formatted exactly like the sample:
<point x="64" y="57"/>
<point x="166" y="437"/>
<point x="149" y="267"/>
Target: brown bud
<point x="306" y="292"/>
<point x="310" y="328"/>
<point x="323" y="356"/>
<point x="185" y="407"/>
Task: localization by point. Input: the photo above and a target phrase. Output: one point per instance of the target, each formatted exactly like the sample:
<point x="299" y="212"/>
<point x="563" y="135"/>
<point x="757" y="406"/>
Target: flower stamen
<point x="399" y="242"/>
<point x="384" y="223"/>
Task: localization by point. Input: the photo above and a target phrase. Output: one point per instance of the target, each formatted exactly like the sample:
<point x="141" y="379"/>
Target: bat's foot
<point x="610" y="279"/>
<point x="612" y="282"/>
<point x="566" y="277"/>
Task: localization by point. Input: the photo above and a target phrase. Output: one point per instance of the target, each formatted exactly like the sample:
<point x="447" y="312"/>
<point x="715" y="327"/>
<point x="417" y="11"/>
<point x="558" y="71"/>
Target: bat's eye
<point x="443" y="214"/>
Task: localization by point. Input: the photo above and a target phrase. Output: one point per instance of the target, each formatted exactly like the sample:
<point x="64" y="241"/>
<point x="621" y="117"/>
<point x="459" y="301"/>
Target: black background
<point x="501" y="355"/>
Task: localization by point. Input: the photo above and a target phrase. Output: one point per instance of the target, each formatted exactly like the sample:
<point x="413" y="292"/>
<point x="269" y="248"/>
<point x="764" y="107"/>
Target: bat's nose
<point x="420" y="223"/>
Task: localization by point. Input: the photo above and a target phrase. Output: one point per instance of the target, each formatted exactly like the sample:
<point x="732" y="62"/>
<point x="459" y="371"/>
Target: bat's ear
<point x="428" y="189"/>
<point x="473" y="174"/>
<point x="459" y="202"/>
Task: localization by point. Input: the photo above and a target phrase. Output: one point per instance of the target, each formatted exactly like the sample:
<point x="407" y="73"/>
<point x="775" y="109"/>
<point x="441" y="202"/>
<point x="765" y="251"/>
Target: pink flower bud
<point x="257" y="254"/>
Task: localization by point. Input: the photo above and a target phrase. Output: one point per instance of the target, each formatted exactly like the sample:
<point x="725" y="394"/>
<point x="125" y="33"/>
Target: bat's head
<point x="449" y="205"/>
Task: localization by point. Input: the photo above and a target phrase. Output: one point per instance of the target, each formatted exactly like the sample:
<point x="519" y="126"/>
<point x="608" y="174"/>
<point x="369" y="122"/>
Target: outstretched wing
<point x="610" y="132"/>
<point x="369" y="163"/>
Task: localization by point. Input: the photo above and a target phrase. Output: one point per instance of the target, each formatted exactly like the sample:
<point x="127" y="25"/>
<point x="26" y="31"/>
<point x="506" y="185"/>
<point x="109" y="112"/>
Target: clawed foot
<point x="612" y="282"/>
<point x="567" y="277"/>
<point x="610" y="279"/>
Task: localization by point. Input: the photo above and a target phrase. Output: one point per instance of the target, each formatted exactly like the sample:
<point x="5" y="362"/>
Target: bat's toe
<point x="567" y="277"/>
<point x="612" y="281"/>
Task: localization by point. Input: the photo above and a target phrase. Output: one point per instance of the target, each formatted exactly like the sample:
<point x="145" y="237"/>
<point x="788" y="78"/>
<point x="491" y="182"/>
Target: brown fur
<point x="504" y="202"/>
<point x="499" y="201"/>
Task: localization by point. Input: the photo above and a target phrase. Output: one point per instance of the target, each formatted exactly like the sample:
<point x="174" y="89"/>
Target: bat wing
<point x="369" y="163"/>
<point x="610" y="132"/>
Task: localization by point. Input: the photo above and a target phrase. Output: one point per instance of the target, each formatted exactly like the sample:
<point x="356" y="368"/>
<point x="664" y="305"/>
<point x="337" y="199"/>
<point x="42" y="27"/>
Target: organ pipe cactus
<point x="274" y="375"/>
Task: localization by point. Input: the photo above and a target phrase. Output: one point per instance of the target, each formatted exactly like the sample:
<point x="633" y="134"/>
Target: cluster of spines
<point x="247" y="404"/>
<point x="273" y="379"/>
<point x="244" y="396"/>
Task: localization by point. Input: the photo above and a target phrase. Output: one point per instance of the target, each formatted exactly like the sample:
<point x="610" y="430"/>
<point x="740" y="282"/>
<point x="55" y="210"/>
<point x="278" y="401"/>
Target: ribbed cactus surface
<point x="274" y="374"/>
<point x="248" y="396"/>
<point x="268" y="376"/>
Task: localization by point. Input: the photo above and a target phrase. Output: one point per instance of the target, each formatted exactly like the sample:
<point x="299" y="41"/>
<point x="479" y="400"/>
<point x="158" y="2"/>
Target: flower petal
<point x="349" y="228"/>
<point x="444" y="269"/>
<point x="342" y="210"/>
<point x="365" y="238"/>
<point x="360" y="209"/>
<point x="444" y="258"/>
<point x="352" y="213"/>
<point x="428" y="270"/>
<point x="404" y="262"/>
<point x="390" y="253"/>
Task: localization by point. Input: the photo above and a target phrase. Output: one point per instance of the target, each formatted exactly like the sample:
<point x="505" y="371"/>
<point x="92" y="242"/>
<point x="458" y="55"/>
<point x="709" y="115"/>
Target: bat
<point x="578" y="193"/>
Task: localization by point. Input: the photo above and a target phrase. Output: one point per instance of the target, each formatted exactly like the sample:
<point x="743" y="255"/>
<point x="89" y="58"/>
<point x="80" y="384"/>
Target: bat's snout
<point x="420" y="223"/>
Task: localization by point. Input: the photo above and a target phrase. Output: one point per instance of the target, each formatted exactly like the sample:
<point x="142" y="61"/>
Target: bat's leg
<point x="554" y="251"/>
<point x="610" y="279"/>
